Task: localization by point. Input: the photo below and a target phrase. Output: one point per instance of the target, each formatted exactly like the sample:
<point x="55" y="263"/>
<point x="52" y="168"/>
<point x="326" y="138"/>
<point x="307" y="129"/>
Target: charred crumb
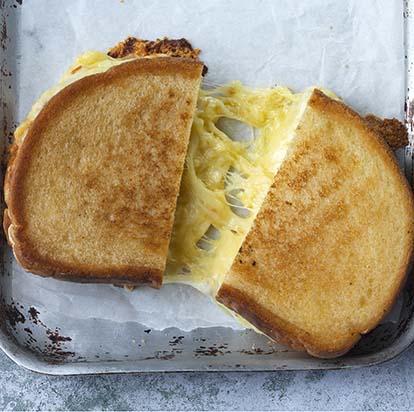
<point x="141" y="48"/>
<point x="133" y="46"/>
<point x="254" y="263"/>
<point x="147" y="331"/>
<point x="174" y="45"/>
<point x="129" y="45"/>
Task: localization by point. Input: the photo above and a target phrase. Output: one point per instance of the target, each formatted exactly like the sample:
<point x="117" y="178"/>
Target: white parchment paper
<point x="353" y="47"/>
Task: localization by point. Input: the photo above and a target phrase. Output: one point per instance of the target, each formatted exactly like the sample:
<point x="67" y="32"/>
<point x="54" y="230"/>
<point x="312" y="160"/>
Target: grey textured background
<point x="389" y="386"/>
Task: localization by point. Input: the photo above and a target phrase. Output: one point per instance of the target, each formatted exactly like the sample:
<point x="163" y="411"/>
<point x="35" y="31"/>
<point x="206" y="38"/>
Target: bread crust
<point x="14" y="219"/>
<point x="235" y="295"/>
<point x="391" y="130"/>
<point x="274" y="327"/>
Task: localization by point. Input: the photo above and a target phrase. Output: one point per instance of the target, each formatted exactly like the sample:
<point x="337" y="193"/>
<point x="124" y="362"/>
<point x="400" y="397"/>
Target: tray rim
<point x="30" y="362"/>
<point x="28" y="359"/>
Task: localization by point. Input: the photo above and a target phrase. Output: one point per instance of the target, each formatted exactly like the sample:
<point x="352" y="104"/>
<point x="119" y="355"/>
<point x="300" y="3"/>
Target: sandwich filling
<point x="240" y="136"/>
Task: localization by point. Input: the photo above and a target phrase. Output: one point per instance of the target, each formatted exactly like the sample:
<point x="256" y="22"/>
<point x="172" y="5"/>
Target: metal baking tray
<point x="45" y="343"/>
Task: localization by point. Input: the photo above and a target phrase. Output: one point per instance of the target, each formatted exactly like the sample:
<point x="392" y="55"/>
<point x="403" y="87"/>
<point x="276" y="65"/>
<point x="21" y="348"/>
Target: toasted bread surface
<point x="91" y="191"/>
<point x="329" y="249"/>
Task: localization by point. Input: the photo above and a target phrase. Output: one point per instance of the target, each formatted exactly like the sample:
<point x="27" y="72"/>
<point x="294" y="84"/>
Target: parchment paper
<point x="353" y="47"/>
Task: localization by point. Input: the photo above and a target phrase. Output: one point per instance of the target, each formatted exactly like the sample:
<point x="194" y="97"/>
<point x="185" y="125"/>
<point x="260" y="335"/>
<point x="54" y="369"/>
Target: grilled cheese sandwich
<point x="241" y="138"/>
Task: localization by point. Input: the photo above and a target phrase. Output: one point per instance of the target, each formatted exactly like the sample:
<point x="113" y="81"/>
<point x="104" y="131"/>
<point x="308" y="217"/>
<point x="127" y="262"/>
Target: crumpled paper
<point x="353" y="47"/>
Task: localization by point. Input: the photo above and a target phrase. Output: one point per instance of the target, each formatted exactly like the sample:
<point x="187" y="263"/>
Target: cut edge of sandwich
<point x="281" y="330"/>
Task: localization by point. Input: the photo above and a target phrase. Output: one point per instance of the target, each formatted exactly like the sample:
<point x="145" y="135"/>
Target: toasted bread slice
<point x="329" y="249"/>
<point x="92" y="189"/>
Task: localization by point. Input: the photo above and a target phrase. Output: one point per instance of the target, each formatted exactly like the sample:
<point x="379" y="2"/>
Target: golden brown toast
<point x="92" y="189"/>
<point x="329" y="249"/>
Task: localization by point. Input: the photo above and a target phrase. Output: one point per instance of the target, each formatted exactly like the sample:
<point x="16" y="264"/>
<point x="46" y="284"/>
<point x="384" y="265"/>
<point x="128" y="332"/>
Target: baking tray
<point x="61" y="345"/>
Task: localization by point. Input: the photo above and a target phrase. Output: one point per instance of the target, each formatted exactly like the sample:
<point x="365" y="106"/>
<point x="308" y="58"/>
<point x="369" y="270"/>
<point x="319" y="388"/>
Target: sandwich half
<point x="329" y="249"/>
<point x="93" y="180"/>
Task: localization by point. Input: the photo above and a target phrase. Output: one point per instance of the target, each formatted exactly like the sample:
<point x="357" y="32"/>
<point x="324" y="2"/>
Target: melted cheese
<point x="226" y="180"/>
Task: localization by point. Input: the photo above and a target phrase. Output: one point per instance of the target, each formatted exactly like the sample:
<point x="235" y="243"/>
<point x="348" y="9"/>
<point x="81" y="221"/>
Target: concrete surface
<point x="388" y="386"/>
